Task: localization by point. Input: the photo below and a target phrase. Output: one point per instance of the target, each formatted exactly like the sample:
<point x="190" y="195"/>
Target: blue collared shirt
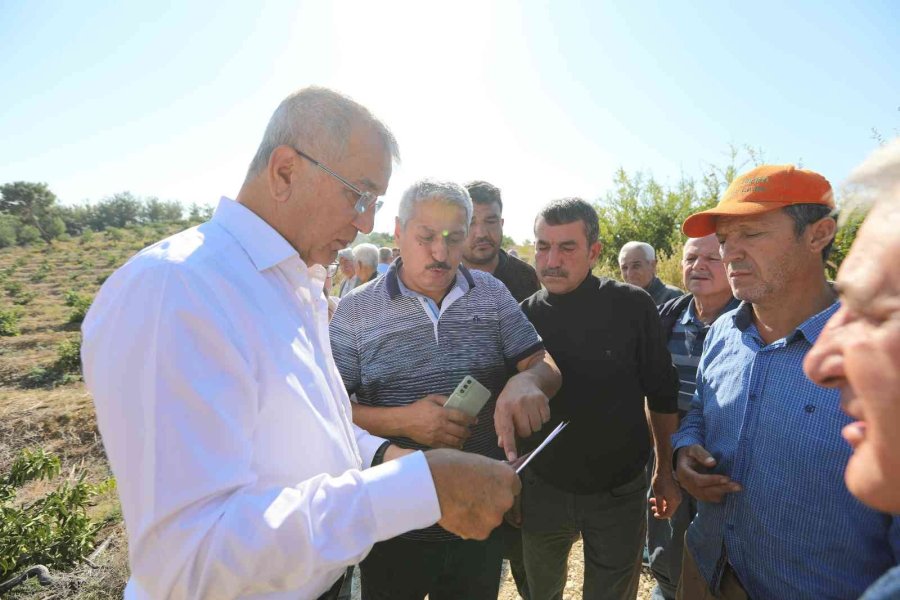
<point x="794" y="531"/>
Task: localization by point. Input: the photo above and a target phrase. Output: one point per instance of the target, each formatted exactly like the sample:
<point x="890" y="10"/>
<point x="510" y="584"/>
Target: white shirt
<point x="227" y="425"/>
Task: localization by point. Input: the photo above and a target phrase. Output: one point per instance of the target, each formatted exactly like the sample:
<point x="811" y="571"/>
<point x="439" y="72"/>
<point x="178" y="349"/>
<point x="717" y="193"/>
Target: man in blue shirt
<point x="859" y="349"/>
<point x="759" y="448"/>
<point x="686" y="321"/>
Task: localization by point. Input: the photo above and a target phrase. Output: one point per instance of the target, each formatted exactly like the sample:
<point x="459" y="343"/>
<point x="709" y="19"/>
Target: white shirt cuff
<point x="402" y="494"/>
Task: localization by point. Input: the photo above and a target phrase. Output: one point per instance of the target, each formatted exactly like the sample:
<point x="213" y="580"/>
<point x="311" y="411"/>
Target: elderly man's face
<point x="485" y="234"/>
<point x="348" y="267"/>
<point x="431" y="244"/>
<point x="701" y="267"/>
<point x="562" y="255"/>
<point x="762" y="255"/>
<point x="859" y="353"/>
<point x="322" y="220"/>
<point x="636" y="269"/>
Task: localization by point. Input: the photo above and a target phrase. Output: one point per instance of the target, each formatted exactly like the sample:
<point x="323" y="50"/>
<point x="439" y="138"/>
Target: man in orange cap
<point x="759" y="448"/>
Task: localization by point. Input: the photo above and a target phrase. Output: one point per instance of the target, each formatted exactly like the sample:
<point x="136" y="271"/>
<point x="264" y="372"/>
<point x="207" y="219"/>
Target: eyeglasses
<point x="367" y="200"/>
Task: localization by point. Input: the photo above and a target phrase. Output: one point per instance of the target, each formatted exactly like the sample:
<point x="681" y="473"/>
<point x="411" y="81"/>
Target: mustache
<point x="439" y="264"/>
<point x="554" y="272"/>
<point x="738" y="266"/>
<point x="483" y="240"/>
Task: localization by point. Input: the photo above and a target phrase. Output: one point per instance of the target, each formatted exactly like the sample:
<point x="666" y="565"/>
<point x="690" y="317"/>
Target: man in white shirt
<point x="225" y="420"/>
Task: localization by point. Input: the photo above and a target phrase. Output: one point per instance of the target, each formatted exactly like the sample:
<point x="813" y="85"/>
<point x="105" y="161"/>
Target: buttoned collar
<point x="690" y="315"/>
<point x="265" y="246"/>
<point x="810" y="329"/>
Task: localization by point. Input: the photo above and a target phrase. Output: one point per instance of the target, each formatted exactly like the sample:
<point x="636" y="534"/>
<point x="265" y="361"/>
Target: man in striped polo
<point x="686" y="320"/>
<point x="401" y="344"/>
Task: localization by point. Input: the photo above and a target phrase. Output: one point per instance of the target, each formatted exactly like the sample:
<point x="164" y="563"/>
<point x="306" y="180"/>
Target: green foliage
<point x="376" y="237"/>
<point x="64" y="370"/>
<point x="79" y="303"/>
<point x="41" y="273"/>
<point x="24" y="298"/>
<point x="35" y="206"/>
<point x="28" y="234"/>
<point x="842" y="241"/>
<point x="87" y="237"/>
<point x="54" y="530"/>
<point x="8" y="227"/>
<point x="115" y="234"/>
<point x="9" y="322"/>
<point x="13" y="288"/>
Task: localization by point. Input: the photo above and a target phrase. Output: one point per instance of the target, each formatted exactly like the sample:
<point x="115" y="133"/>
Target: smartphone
<point x="469" y="396"/>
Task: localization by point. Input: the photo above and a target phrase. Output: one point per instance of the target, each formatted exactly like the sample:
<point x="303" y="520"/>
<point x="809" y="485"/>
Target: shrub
<point x="54" y="530"/>
<point x="13" y="288"/>
<point x="9" y="322"/>
<point x="79" y="304"/>
<point x="28" y="234"/>
<point x="115" y="234"/>
<point x="68" y="357"/>
<point x="24" y="298"/>
<point x="87" y="236"/>
<point x="42" y="271"/>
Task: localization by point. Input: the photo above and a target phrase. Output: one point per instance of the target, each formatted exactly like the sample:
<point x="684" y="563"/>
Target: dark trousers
<point x="403" y="569"/>
<point x="511" y="538"/>
<point x="611" y="524"/>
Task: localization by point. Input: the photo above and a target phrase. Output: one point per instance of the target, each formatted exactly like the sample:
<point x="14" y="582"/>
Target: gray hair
<point x="876" y="177"/>
<point x="367" y="254"/>
<point x="649" y="252"/>
<point x="319" y="121"/>
<point x="425" y="190"/>
<point x="345" y="254"/>
<point x="385" y="254"/>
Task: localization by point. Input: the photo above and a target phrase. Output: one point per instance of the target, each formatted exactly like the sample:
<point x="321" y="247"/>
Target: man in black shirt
<point x="591" y="480"/>
<point x="482" y="250"/>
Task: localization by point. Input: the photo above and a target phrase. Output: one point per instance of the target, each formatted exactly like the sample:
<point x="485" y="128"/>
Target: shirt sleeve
<point x="659" y="377"/>
<point x="177" y="403"/>
<point x="518" y="336"/>
<point x="344" y="347"/>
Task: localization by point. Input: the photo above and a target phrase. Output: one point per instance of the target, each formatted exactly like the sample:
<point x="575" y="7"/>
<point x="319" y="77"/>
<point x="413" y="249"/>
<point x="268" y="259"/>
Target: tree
<point x="160" y="211"/>
<point x="34" y="205"/>
<point x="118" y="210"/>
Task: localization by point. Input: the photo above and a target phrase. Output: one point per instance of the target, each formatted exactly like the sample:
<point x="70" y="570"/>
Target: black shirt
<point x="519" y="277"/>
<point x="606" y="338"/>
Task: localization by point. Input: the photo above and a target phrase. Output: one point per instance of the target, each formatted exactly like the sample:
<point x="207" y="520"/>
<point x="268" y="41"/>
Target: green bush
<point x="115" y="234"/>
<point x="29" y="234"/>
<point x="79" y="304"/>
<point x="9" y="322"/>
<point x="42" y="271"/>
<point x="24" y="298"/>
<point x="68" y="357"/>
<point x="54" y="530"/>
<point x="13" y="288"/>
<point x="87" y="236"/>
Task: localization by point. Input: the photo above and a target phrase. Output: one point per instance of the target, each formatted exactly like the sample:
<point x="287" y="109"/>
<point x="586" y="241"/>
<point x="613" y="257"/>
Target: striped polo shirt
<point x="393" y="346"/>
<point x="686" y="346"/>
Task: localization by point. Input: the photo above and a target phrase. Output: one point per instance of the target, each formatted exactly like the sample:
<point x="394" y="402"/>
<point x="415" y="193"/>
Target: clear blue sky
<point x="545" y="99"/>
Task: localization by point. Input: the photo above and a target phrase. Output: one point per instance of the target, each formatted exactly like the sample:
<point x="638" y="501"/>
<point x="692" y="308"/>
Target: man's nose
<point x="824" y="363"/>
<point x="365" y="221"/>
<point x="440" y="249"/>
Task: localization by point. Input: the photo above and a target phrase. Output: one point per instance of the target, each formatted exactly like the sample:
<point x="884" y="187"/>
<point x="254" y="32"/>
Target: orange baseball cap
<point x="758" y="191"/>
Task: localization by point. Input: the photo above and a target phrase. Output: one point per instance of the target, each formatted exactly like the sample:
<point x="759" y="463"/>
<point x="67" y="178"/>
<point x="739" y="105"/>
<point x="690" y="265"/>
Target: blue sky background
<point x="544" y="99"/>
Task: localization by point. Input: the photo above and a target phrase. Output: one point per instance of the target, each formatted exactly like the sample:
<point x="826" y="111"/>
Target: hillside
<point x="44" y="404"/>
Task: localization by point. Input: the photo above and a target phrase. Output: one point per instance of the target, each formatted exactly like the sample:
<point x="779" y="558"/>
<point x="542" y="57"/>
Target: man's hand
<point x="693" y="462"/>
<point x="666" y="495"/>
<point x="522" y="408"/>
<point x="474" y="491"/>
<point x="429" y="423"/>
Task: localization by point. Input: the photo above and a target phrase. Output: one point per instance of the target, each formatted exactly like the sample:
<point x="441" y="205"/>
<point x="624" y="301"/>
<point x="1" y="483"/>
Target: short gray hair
<point x="320" y="121"/>
<point x="878" y="175"/>
<point x="649" y="252"/>
<point x="425" y="190"/>
<point x="367" y="254"/>
<point x="385" y="254"/>
<point x="345" y="254"/>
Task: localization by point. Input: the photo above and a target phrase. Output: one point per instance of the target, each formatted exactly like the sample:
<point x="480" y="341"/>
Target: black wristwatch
<point x="379" y="454"/>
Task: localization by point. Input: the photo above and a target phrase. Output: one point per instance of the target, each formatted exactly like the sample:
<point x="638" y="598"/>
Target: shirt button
<point x="810" y="408"/>
<point x="730" y="526"/>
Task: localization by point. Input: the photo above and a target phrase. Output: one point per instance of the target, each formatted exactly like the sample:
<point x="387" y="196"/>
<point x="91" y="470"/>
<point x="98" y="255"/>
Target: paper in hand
<point x="537" y="450"/>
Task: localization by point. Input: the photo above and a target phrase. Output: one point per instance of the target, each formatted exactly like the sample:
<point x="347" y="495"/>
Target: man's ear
<point x="281" y="170"/>
<point x="820" y="233"/>
<point x="595" y="250"/>
<point x="397" y="228"/>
